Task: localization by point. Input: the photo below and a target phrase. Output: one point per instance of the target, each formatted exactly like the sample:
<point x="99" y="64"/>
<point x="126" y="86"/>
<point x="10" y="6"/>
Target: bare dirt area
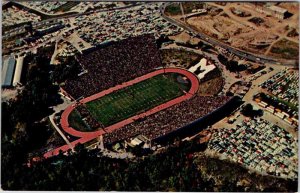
<point x="211" y="87"/>
<point x="185" y="38"/>
<point x="242" y="26"/>
<point x="182" y="37"/>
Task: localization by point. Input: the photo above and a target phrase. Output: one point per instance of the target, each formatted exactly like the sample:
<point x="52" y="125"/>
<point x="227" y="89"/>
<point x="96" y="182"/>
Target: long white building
<point x="18" y="70"/>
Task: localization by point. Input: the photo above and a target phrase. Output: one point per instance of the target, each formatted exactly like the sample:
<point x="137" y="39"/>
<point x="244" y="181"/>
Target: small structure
<point x="18" y="71"/>
<point x="272" y="10"/>
<point x="278" y="12"/>
<point x="8" y="70"/>
<point x="203" y="67"/>
<point x="136" y="142"/>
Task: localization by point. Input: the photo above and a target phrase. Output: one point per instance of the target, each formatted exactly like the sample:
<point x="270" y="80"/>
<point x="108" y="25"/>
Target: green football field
<point x="135" y="99"/>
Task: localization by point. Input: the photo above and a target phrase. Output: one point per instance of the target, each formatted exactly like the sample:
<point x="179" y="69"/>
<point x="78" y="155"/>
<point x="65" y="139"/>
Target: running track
<point x="87" y="136"/>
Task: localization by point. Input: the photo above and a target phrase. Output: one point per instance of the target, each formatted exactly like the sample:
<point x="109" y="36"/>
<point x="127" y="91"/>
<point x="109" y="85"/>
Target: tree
<point x="248" y="111"/>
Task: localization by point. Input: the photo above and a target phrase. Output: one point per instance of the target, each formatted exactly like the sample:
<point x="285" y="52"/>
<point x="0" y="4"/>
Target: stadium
<point x="124" y="91"/>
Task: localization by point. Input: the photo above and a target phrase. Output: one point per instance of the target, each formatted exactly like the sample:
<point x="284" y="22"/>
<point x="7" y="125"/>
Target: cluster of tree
<point x="24" y="123"/>
<point x="277" y="103"/>
<point x="176" y="169"/>
<point x="173" y="9"/>
<point x="189" y="44"/>
<point x="227" y="176"/>
<point x="248" y="111"/>
<point x="231" y="65"/>
<point x="211" y="75"/>
<point x="162" y="39"/>
<point x="68" y="69"/>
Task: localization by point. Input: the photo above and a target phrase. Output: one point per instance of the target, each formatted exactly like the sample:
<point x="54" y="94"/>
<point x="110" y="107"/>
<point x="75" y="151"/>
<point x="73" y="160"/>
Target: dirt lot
<point x="185" y="38"/>
<point x="247" y="29"/>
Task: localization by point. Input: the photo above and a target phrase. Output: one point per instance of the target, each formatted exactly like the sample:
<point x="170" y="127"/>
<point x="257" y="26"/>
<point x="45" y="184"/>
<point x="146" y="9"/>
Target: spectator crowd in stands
<point x="168" y="120"/>
<point x="117" y="63"/>
<point x="88" y="118"/>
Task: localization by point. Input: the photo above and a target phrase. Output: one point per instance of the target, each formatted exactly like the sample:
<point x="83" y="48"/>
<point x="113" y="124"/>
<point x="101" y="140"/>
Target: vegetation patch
<point x="173" y="9"/>
<point x="293" y="33"/>
<point x="276" y="102"/>
<point x="286" y="49"/>
<point x="179" y="58"/>
<point x="211" y="87"/>
<point x="257" y="20"/>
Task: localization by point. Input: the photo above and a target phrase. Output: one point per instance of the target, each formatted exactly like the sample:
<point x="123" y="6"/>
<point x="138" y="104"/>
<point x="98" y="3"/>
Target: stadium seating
<point x="117" y="63"/>
<point x="168" y="120"/>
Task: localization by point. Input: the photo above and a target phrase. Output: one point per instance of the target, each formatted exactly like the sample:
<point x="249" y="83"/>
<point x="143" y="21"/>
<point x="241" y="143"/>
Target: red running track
<point x="87" y="136"/>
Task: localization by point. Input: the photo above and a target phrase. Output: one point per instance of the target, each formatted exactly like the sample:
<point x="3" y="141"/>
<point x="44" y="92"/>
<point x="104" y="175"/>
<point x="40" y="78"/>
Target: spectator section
<point x="117" y="63"/>
<point x="168" y="120"/>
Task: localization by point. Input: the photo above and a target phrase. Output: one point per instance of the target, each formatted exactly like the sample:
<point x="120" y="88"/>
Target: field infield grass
<point x="135" y="99"/>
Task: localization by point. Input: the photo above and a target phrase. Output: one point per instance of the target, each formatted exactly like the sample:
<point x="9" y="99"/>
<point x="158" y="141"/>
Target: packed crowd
<point x="114" y="25"/>
<point x="113" y="65"/>
<point x="168" y="120"/>
<point x="259" y="145"/>
<point x="88" y="118"/>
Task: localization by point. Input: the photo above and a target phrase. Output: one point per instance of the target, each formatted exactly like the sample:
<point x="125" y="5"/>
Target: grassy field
<point x="136" y="99"/>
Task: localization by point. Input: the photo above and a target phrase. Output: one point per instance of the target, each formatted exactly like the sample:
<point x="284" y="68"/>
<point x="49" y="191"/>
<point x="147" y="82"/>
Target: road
<point x="214" y="42"/>
<point x="57" y="109"/>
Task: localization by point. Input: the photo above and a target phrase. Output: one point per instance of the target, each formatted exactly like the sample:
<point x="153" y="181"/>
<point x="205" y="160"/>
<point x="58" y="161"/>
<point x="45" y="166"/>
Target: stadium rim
<point x="87" y="136"/>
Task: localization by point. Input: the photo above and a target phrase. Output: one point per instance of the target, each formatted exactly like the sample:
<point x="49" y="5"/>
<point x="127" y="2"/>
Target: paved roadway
<point x="57" y="109"/>
<point x="214" y="42"/>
